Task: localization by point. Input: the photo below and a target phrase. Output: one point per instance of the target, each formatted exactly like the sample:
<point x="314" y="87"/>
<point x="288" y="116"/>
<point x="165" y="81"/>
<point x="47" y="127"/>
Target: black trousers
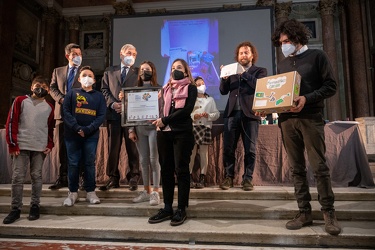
<point x="63" y="171"/>
<point x="115" y="134"/>
<point x="174" y="156"/>
<point x="302" y="133"/>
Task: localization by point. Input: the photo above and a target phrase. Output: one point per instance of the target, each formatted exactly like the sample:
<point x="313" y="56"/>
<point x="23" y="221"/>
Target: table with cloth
<point x="346" y="157"/>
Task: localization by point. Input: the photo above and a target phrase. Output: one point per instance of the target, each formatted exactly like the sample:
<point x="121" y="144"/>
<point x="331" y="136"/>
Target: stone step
<point x="215" y="193"/>
<point x="247" y="232"/>
<point x="199" y="208"/>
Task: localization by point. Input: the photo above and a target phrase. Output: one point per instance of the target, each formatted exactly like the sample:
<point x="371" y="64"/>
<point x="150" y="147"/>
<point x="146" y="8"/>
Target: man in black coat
<point x="239" y="119"/>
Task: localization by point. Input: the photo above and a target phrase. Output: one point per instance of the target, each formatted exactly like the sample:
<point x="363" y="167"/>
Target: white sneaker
<point x="72" y="198"/>
<point x="154" y="198"/>
<point x="92" y="198"/>
<point x="142" y="197"/>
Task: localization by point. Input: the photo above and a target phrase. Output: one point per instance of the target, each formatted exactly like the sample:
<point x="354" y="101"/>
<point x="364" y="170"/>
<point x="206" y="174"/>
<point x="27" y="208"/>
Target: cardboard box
<point x="275" y="94"/>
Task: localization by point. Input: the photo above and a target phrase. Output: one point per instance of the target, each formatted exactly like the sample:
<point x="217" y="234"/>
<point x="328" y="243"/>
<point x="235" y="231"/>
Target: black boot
<point x="200" y="184"/>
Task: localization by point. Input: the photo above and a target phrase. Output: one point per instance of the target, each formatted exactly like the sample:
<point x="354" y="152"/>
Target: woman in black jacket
<point x="176" y="141"/>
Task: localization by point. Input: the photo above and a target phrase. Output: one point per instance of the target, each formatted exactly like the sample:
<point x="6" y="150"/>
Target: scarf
<point x="179" y="96"/>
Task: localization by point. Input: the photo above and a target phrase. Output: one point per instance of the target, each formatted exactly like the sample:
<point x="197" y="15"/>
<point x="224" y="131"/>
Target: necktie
<point x="123" y="74"/>
<point x="70" y="79"/>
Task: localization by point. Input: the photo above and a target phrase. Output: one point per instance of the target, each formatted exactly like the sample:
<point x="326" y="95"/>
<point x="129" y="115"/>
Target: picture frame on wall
<point x="27" y="42"/>
<point x="93" y="40"/>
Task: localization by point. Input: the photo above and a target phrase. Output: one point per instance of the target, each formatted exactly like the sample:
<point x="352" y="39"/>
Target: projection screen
<point x="206" y="40"/>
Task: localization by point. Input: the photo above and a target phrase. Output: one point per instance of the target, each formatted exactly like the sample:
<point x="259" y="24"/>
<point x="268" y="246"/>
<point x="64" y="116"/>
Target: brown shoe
<point x="247" y="185"/>
<point x="302" y="219"/>
<point x="227" y="183"/>
<point x="332" y="226"/>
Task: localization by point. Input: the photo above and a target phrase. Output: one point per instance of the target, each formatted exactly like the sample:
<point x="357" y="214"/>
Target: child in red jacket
<point x="29" y="134"/>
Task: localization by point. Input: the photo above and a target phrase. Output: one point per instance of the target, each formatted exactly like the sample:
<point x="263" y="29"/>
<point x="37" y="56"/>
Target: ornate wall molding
<point x="268" y="3"/>
<point x="305" y="9"/>
<point x="124" y="8"/>
<point x="74" y="22"/>
<point x="327" y="7"/>
<point x="282" y="10"/>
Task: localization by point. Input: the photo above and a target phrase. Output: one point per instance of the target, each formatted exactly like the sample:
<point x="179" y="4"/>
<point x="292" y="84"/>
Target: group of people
<point x="166" y="148"/>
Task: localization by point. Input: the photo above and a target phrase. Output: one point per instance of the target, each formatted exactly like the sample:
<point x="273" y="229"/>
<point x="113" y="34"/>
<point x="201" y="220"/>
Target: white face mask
<point x="201" y="89"/>
<point x="87" y="81"/>
<point x="77" y="60"/>
<point x="128" y="61"/>
<point x="288" y="49"/>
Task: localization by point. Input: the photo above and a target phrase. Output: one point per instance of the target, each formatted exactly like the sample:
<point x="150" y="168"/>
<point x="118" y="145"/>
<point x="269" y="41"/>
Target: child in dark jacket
<point x="83" y="112"/>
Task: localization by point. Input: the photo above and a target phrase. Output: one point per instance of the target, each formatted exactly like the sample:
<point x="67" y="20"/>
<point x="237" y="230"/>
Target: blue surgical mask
<point x="77" y="60"/>
<point x="288" y="49"/>
<point x="129" y="61"/>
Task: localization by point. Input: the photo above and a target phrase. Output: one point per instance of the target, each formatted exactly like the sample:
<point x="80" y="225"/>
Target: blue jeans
<point x="234" y="126"/>
<point x="84" y="148"/>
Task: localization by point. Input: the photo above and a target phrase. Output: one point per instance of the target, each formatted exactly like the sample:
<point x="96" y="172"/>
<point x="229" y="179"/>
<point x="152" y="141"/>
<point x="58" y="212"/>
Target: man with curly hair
<point x="302" y="127"/>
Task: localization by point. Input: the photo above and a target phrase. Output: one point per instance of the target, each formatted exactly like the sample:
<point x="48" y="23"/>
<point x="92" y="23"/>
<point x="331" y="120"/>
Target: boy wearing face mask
<point x="303" y="126"/>
<point x="29" y="134"/>
<point x="83" y="111"/>
<point x="114" y="79"/>
<point x="205" y="112"/>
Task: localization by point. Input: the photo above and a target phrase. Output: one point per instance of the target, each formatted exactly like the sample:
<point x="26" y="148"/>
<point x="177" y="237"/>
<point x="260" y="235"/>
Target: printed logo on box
<point x="276" y="83"/>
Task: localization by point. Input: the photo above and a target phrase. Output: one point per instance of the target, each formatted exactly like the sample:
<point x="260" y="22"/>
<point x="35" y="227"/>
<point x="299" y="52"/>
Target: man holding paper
<point x="239" y="80"/>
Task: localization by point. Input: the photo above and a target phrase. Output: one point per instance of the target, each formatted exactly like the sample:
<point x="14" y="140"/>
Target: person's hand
<point x="197" y="117"/>
<point x="121" y="95"/>
<point x="133" y="136"/>
<point x="117" y="107"/>
<point x="300" y="103"/>
<point x="81" y="133"/>
<point x="158" y="123"/>
<point x="15" y="153"/>
<point x="47" y="151"/>
<point x="204" y="114"/>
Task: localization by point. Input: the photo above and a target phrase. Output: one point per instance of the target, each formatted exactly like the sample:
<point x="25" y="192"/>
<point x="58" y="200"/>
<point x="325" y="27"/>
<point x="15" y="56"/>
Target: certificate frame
<point x="140" y="106"/>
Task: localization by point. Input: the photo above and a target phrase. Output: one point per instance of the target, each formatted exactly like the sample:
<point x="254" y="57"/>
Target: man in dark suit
<point x="64" y="79"/>
<point x="114" y="79"/>
<point x="239" y="119"/>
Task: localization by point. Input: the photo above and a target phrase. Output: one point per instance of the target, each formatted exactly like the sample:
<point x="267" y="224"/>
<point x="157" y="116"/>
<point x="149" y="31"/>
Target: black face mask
<point x="178" y="75"/>
<point x="40" y="92"/>
<point x="147" y="75"/>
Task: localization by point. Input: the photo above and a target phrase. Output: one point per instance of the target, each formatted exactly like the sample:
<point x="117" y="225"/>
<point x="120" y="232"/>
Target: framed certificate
<point x="140" y="106"/>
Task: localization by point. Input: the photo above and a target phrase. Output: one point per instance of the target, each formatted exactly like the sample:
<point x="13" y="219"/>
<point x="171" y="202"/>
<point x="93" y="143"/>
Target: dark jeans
<point x="81" y="149"/>
<point x="307" y="133"/>
<point x="115" y="135"/>
<point x="174" y="156"/>
<point x="234" y="126"/>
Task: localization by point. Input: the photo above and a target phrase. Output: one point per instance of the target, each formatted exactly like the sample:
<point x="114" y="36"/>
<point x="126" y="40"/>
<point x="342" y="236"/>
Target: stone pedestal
<point x="367" y="128"/>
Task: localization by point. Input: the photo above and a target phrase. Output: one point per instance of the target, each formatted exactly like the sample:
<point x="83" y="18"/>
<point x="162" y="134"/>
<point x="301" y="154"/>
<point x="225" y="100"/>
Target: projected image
<point x="197" y="42"/>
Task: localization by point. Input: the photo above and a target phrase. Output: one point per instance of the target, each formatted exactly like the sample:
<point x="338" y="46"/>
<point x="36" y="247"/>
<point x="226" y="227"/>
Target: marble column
<point x="327" y="9"/>
<point x="8" y="14"/>
<point x="357" y="53"/>
<point x="49" y="41"/>
<point x="74" y="25"/>
<point x="282" y="11"/>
